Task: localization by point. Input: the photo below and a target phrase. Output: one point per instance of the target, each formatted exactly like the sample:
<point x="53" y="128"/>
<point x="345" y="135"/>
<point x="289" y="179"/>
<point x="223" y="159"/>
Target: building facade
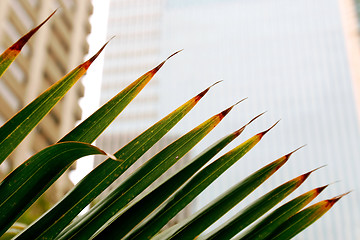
<point x="297" y="59"/>
<point x="58" y="47"/>
<point x="135" y="50"/>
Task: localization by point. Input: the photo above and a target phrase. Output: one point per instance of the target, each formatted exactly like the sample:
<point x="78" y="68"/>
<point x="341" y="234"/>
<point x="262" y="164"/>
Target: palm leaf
<point x="147" y="204"/>
<point x="256" y="209"/>
<point x="303" y="219"/>
<point x="20" y="125"/>
<point x="192" y="189"/>
<point x="27" y="182"/>
<point x="217" y="208"/>
<point x="280" y="215"/>
<point x="140" y="179"/>
<point x="94" y="125"/>
<point x="58" y="217"/>
<point x="10" y="54"/>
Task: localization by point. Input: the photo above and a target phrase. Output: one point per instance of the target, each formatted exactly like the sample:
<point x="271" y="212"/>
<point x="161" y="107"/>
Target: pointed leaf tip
<point x="264" y="132"/>
<point x="305" y="175"/>
<point x="290" y="153"/>
<point x="320" y="189"/>
<point x="92" y="59"/>
<point x="240" y="101"/>
<point x="23" y="40"/>
<point x="333" y="200"/>
<point x="163" y="62"/>
<point x="173" y="54"/>
<point x="216" y="83"/>
<point x="226" y="111"/>
<point x="200" y="95"/>
<point x="239" y="131"/>
<point x="333" y="182"/>
<point x="256" y="117"/>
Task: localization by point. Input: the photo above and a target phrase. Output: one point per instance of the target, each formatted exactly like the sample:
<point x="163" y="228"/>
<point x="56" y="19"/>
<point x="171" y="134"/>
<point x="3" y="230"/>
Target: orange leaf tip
<point x="162" y="63"/>
<point x="23" y="40"/>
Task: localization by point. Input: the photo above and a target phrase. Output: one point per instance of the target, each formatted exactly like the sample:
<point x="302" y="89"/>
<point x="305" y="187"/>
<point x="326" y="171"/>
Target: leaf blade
<point x="27" y="182"/>
<point x="20" y="125"/>
<point x="94" y="125"/>
<point x="256" y="209"/>
<point x="140" y="179"/>
<point x="303" y="219"/>
<point x="59" y="216"/>
<point x="141" y="209"/>
<point x="10" y="54"/>
<point x="194" y="187"/>
<point x="280" y="215"/>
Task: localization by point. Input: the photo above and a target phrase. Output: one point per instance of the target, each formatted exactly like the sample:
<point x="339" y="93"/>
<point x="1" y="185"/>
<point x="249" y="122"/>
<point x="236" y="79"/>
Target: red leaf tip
<point x="216" y="83"/>
<point x="92" y="59"/>
<point x="226" y="111"/>
<point x="254" y="118"/>
<point x="290" y="153"/>
<point x="320" y="189"/>
<point x="162" y="63"/>
<point x="200" y="95"/>
<point x="266" y="131"/>
<point x="333" y="200"/>
<point x="239" y="131"/>
<point x="173" y="54"/>
<point x="305" y="175"/>
<point x="23" y="40"/>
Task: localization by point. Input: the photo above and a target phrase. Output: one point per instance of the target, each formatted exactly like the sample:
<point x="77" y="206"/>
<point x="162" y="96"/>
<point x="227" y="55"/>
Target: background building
<point x="54" y="50"/>
<point x="297" y="59"/>
<point x="135" y="50"/>
<point x="292" y="59"/>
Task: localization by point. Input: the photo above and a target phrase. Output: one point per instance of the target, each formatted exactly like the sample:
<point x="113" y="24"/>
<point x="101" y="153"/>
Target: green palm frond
<point x="128" y="212"/>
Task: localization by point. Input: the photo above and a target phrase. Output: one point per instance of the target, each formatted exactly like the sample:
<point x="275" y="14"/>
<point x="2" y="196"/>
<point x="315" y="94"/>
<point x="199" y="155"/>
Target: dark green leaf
<point x="280" y="215"/>
<point x="255" y="210"/>
<point x="146" y="205"/>
<point x="192" y="189"/>
<point x="57" y="218"/>
<point x="27" y="182"/>
<point x="303" y="219"/>
<point x="140" y="180"/>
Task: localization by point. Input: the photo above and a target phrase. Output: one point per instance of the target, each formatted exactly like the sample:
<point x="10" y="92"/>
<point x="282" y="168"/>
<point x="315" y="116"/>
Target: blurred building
<point x="135" y="50"/>
<point x="297" y="59"/>
<point x="350" y="14"/>
<point x="58" y="47"/>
